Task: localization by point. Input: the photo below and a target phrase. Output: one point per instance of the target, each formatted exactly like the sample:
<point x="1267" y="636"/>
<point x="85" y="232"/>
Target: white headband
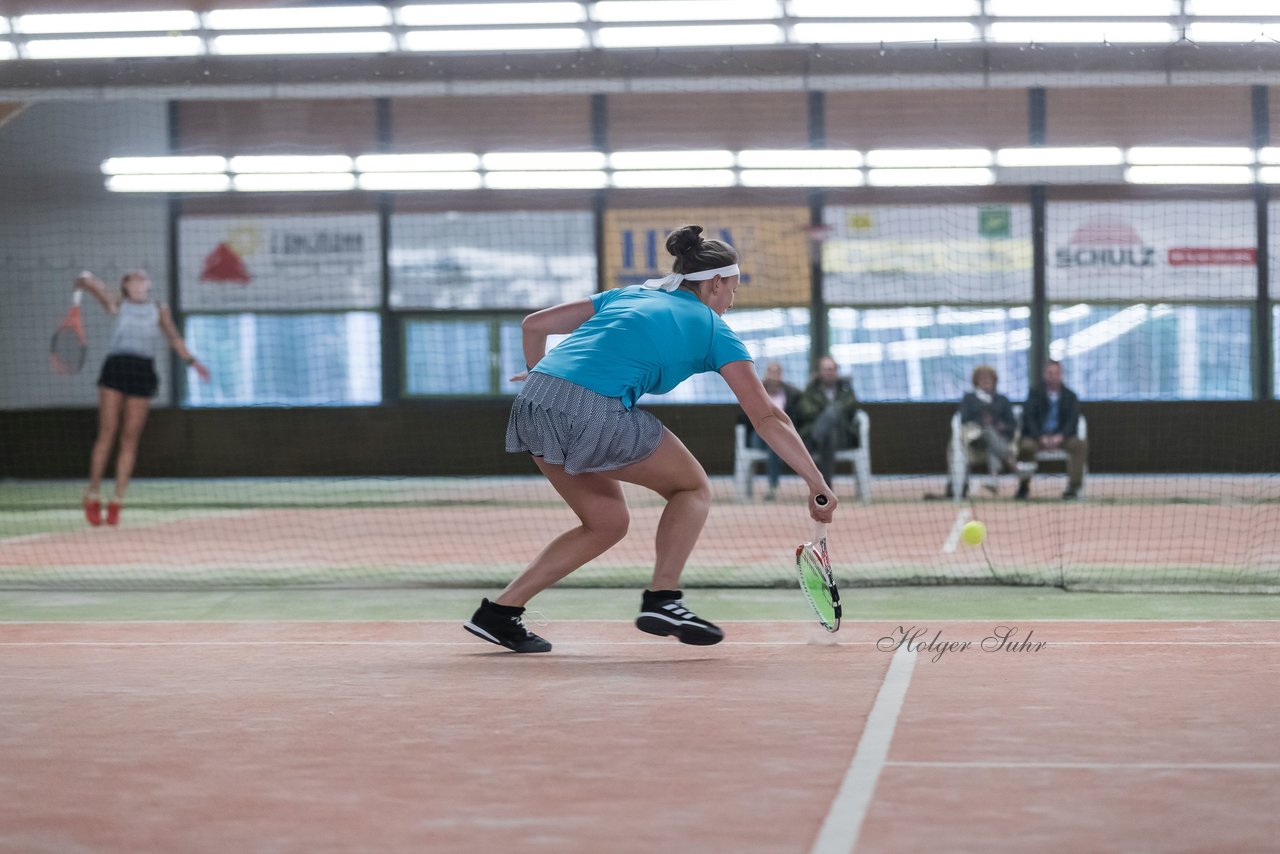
<point x="670" y="283"/>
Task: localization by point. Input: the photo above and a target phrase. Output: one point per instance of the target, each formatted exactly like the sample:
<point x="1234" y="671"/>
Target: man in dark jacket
<point x="824" y="416"/>
<point x="1050" y="422"/>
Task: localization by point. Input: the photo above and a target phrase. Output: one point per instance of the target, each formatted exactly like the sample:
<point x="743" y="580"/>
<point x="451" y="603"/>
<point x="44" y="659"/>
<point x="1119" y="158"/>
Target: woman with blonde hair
<point x="127" y="382"/>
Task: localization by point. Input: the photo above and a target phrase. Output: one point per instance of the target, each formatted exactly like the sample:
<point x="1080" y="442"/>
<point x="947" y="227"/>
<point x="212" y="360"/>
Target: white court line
<point x="1099" y="766"/>
<point x="24" y="538"/>
<point x="575" y="643"/>
<point x="953" y="538"/>
<point x="843" y="823"/>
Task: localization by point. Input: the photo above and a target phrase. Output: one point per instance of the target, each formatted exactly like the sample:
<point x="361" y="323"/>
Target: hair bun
<point x="684" y="240"/>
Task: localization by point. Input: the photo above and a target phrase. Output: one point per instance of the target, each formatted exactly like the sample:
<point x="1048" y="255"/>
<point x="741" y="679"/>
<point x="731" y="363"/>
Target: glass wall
<point x="330" y="359"/>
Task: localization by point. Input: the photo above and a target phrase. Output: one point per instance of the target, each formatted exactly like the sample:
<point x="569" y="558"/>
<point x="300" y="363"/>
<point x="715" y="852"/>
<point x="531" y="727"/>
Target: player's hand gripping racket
<point x="69" y="345"/>
<point x="816" y="579"/>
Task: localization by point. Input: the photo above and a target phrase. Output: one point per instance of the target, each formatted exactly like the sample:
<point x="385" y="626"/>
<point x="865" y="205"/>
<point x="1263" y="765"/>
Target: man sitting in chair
<point x="987" y="422"/>
<point x="825" y="416"/>
<point x="1050" y="422"/>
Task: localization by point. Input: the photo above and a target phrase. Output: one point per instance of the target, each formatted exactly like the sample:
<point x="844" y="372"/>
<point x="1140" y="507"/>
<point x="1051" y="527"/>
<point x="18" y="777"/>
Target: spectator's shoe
<point x="93" y="511"/>
<point x="663" y="613"/>
<point x="113" y="512"/>
<point x="1024" y="490"/>
<point x="772" y="494"/>
<point x="1071" y="494"/>
<point x="504" y="629"/>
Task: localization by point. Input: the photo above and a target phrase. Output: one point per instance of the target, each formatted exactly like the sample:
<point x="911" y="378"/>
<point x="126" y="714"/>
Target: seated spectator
<point x="824" y="416"/>
<point x="987" y="422"/>
<point x="1050" y="421"/>
<point x="784" y="396"/>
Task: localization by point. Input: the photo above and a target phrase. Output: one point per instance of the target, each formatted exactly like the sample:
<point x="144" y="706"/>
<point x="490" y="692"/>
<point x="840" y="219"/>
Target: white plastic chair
<point x="745" y="458"/>
<point x="958" y="462"/>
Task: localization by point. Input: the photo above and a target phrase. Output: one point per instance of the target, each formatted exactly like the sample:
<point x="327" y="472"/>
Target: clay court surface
<point x="412" y="736"/>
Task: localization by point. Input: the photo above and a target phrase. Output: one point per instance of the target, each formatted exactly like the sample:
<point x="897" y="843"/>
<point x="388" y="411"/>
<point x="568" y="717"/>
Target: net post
<point x="1039" y="321"/>
<point x="386" y="317"/>
<point x="818" y="337"/>
<point x="1263" y="383"/>
<point x="173" y="216"/>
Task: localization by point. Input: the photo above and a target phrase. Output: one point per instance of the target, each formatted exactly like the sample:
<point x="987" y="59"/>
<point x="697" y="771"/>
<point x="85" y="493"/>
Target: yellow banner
<point x="772" y="244"/>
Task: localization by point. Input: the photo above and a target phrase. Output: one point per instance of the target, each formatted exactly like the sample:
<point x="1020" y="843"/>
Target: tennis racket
<point x="816" y="580"/>
<point x="69" y="345"/>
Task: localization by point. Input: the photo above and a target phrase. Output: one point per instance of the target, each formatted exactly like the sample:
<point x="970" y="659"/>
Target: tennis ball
<point x="973" y="533"/>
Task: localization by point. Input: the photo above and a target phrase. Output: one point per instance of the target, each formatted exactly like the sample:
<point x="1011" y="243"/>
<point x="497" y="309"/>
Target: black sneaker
<point x="665" y="614"/>
<point x="1071" y="494"/>
<point x="1024" y="490"/>
<point x="504" y="630"/>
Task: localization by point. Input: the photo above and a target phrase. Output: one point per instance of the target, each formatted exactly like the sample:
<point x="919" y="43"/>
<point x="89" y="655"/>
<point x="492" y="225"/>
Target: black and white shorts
<point x="572" y="426"/>
<point x="134" y="376"/>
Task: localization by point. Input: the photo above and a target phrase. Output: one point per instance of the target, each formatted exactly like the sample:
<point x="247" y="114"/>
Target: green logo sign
<point x="995" y="222"/>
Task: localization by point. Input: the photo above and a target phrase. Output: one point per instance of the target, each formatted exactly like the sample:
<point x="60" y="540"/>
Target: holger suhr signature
<point x="917" y="639"/>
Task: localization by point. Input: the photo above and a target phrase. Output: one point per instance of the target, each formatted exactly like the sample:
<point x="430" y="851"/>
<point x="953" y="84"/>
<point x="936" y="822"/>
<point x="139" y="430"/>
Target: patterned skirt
<point x="572" y="426"/>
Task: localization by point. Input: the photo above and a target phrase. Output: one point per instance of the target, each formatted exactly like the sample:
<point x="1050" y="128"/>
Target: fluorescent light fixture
<point x="4" y="25"/>
<point x="930" y="177"/>
<point x="279" y="163"/>
<point x="1095" y="156"/>
<point x="1271" y="154"/>
<point x="946" y="31"/>
<point x="1269" y="174"/>
<point x="1195" y="155"/>
<point x="800" y="158"/>
<point x="1082" y="32"/>
<point x="439" y="41"/>
<point x="396" y="181"/>
<point x="301" y="43"/>
<point x="443" y="162"/>
<point x="676" y="178"/>
<point x="541" y="160"/>
<point x="306" y="18"/>
<point x="168" y="183"/>
<point x="107" y="22"/>
<point x="881" y="158"/>
<point x="1232" y="8"/>
<point x="464" y="14"/>
<point x="613" y="11"/>
<point x="801" y="178"/>
<point x="1061" y="174"/>
<point x="581" y="180"/>
<point x="900" y="9"/>
<point x="201" y="164"/>
<point x="7" y="51"/>
<point x="1237" y="33"/>
<point x="1189" y="175"/>
<point x="1082" y="9"/>
<point x="295" y="183"/>
<point x="689" y="36"/>
<point x="703" y="159"/>
<point x="113" y="48"/>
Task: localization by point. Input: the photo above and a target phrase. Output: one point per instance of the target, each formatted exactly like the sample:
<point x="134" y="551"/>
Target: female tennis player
<point x="128" y="381"/>
<point x="576" y="416"/>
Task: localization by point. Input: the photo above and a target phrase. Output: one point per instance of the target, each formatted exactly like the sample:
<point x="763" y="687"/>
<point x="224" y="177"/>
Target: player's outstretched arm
<point x="178" y="344"/>
<point x="92" y="285"/>
<point x="773" y="425"/>
<point x="557" y="320"/>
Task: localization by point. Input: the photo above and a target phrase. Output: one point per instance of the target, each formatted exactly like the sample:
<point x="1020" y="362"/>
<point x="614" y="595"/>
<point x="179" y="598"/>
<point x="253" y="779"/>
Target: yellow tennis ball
<point x="973" y="533"/>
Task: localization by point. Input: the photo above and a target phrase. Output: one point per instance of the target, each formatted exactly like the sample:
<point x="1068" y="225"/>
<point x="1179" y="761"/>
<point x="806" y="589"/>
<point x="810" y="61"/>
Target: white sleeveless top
<point x="137" y="330"/>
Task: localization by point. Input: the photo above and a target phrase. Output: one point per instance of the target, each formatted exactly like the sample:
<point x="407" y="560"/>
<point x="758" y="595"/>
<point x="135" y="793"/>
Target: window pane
<point x="447" y="357"/>
<point x="771" y="335"/>
<point x="286" y="359"/>
<point x="929" y="352"/>
<point x="516" y="259"/>
<point x="1154" y="352"/>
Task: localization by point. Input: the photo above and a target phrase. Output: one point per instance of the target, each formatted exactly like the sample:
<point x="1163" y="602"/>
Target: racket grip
<point x="76" y="296"/>
<point x="820" y="500"/>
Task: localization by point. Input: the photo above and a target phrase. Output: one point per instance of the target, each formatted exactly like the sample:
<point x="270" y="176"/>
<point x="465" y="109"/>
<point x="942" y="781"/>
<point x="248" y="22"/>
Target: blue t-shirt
<point x="643" y="341"/>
